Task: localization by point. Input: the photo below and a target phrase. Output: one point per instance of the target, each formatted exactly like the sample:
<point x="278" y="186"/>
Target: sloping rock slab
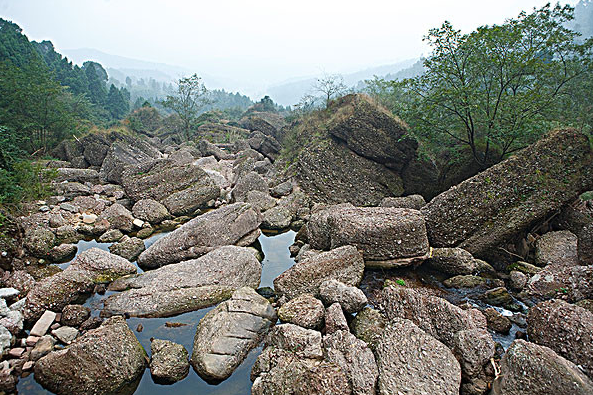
<point x="103" y="361"/>
<point x="226" y="334"/>
<point x="186" y="286"/>
<point x="233" y="224"/>
<point x="510" y="197"/>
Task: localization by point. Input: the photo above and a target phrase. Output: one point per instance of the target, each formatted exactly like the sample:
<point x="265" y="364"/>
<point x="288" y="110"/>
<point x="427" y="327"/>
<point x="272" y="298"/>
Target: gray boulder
<point x="169" y="363"/>
<point x="233" y="224"/>
<point x="510" y="197"/>
<point x="529" y="369"/>
<point x="118" y="217"/>
<point x="77" y="175"/>
<point x="126" y="151"/>
<point x="415" y="202"/>
<point x="226" y="334"/>
<point x="128" y="247"/>
<point x="585" y="245"/>
<point x="249" y="182"/>
<point x="91" y="267"/>
<point x="352" y="299"/>
<point x="568" y="283"/>
<point x="150" y="210"/>
<point x="186" y="286"/>
<point x="112" y="359"/>
<point x="267" y="145"/>
<point x="39" y="241"/>
<point x="71" y="190"/>
<point x="182" y="188"/>
<point x="565" y="328"/>
<point x="335" y="320"/>
<point x="412" y="362"/>
<point x="454" y="261"/>
<point x="344" y="264"/>
<point x="305" y="310"/>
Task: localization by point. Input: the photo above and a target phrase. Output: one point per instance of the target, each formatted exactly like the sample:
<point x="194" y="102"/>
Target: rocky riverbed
<point x="229" y="269"/>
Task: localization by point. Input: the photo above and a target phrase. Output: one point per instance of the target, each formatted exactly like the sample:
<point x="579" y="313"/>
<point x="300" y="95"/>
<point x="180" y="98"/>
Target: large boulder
<point x="388" y="237"/>
<point x="331" y="173"/>
<point x="530" y="369"/>
<point x="182" y="188"/>
<point x="186" y="286"/>
<point x="226" y="334"/>
<point x="557" y="248"/>
<point x="565" y="328"/>
<point x="249" y="182"/>
<point x="413" y="362"/>
<point x="585" y="245"/>
<point x="355" y="358"/>
<point x="150" y="210"/>
<point x="169" y="363"/>
<point x="118" y="217"/>
<point x="454" y="261"/>
<point x="265" y="144"/>
<point x="510" y="197"/>
<point x="570" y="283"/>
<point x="233" y="224"/>
<point x="123" y="152"/>
<point x="372" y="132"/>
<point x="76" y="175"/>
<point x="305" y="310"/>
<point x="352" y="299"/>
<point x="344" y="264"/>
<point x="91" y="267"/>
<point x="106" y="360"/>
<point x="95" y="147"/>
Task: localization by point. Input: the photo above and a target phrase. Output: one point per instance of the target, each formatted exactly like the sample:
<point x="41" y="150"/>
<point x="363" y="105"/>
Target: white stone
<point x="5" y="339"/>
<point x="138" y="223"/>
<point x="89" y="218"/>
<point x="7" y="293"/>
<point x="42" y="325"/>
<point x="65" y="334"/>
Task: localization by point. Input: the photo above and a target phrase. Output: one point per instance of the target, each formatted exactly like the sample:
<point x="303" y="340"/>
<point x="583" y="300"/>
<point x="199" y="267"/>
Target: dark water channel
<point x="276" y="260"/>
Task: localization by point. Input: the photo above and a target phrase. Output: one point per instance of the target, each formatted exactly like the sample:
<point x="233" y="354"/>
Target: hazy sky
<point x="260" y="41"/>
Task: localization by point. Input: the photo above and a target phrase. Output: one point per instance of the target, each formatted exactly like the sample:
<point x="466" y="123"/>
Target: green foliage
<point x="190" y="97"/>
<point x="498" y="88"/>
<point x="24" y="181"/>
<point x="401" y="282"/>
<point x="117" y="104"/>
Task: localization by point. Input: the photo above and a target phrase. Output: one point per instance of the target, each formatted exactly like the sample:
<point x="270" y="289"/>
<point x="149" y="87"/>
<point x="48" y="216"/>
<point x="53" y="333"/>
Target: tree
<point x="497" y="88"/>
<point x="190" y="97"/>
<point x="117" y="104"/>
<point x="330" y="86"/>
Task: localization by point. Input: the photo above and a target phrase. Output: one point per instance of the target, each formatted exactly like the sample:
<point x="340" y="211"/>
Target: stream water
<point x="276" y="260"/>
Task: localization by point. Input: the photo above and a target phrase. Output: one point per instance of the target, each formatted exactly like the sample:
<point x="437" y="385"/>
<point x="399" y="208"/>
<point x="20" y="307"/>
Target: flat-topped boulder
<point x="91" y="267"/>
<point x="232" y="224"/>
<point x="182" y="188"/>
<point x="105" y="360"/>
<point x="387" y="236"/>
<point x="344" y="264"/>
<point x="186" y="286"/>
<point x="123" y="152"/>
<point x="510" y="197"/>
<point x="226" y="334"/>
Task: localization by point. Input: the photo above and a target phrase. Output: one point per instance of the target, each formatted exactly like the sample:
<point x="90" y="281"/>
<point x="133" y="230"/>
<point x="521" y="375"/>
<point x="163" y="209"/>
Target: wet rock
<point x="169" y="363"/>
<point x="118" y="217"/>
<point x="75" y="315"/>
<point x="500" y="296"/>
<point x="305" y="310"/>
<point x="452" y="261"/>
<point x="352" y="299"/>
<point x="44" y="346"/>
<point x="415" y="202"/>
<point x="525" y="268"/>
<point x="63" y="252"/>
<point x="181" y="188"/>
<point x="150" y="210"/>
<point x="527" y="368"/>
<point x="568" y="283"/>
<point x="39" y="241"/>
<point x="344" y="264"/>
<point x="510" y="196"/>
<point x="565" y="328"/>
<point x="128" y="247"/>
<point x="91" y="323"/>
<point x="335" y="319"/>
<point x="469" y="281"/>
<point x="557" y="248"/>
<point x="233" y="224"/>
<point x="226" y="334"/>
<point x="410" y="361"/>
<point x="355" y="358"/>
<point x="496" y="321"/>
<point x="90" y="267"/>
<point x="249" y="182"/>
<point x="188" y="285"/>
<point x="368" y="325"/>
<point x="113" y="358"/>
